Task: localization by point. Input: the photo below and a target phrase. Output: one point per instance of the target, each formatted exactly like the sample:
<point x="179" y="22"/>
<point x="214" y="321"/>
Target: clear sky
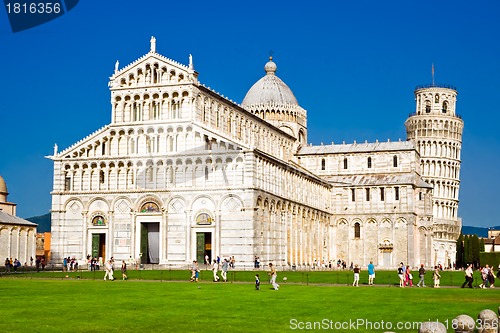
<point x="353" y="65"/>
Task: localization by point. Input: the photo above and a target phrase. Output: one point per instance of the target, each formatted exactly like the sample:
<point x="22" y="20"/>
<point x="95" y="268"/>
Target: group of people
<point x="12" y="265"/>
<point x="70" y="264"/>
<point x="109" y="269"/>
<point x="217" y="266"/>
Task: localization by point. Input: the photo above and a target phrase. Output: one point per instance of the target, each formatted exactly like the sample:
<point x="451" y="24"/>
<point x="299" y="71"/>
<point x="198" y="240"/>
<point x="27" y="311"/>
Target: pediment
<point x="152" y="69"/>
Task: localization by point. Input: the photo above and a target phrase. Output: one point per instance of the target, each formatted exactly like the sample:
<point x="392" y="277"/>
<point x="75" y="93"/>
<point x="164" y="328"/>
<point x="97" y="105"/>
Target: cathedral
<point x="183" y="172"/>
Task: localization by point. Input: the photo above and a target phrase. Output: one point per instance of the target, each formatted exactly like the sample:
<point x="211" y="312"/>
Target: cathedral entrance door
<point x="387" y="259"/>
<point x="150" y="243"/>
<point x="203" y="246"/>
<point x="99" y="246"/>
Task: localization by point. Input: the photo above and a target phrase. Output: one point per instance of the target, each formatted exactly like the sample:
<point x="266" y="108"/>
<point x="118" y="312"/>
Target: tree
<point x="475" y="250"/>
<point x="460" y="251"/>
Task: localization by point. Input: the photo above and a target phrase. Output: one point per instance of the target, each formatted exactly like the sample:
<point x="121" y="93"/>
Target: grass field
<point x="86" y="305"/>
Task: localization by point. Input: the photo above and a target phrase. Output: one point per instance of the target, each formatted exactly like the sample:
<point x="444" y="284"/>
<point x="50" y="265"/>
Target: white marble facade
<point x="182" y="172"/>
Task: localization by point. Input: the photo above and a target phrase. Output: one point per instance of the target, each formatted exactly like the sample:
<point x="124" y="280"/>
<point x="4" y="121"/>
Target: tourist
<point x="491" y="277"/>
<point x="225" y="266"/>
<point x="484" y="276"/>
<point x="401" y="275"/>
<point x="356" y="276"/>
<point x="207" y="260"/>
<point x="273" y="275"/>
<point x="31" y="261"/>
<point x="215" y="268"/>
<point x="421" y="275"/>
<point x="7" y="265"/>
<point x="409" y="277"/>
<point x="257" y="282"/>
<point x="371" y="273"/>
<point x="108" y="267"/>
<point x="468" y="276"/>
<point x="195" y="271"/>
<point x="436" y="277"/>
<point x="124" y="270"/>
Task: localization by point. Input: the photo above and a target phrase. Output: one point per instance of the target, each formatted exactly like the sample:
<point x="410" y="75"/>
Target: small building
<point x="17" y="236"/>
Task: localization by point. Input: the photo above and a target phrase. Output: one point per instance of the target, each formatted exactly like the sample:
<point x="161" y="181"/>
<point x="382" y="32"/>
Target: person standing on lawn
<point x="215" y="268"/>
<point x="356" y="276"/>
<point x="108" y="267"/>
<point x="436" y="277"/>
<point x="225" y="266"/>
<point x="124" y="270"/>
<point x="421" y="274"/>
<point x="371" y="273"/>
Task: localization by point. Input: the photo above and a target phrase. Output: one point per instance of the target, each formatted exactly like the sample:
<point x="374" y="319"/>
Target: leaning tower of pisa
<point x="436" y="129"/>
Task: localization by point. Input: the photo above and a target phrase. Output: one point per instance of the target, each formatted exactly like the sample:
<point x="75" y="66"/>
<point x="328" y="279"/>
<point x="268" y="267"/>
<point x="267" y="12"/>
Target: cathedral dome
<point x="270" y="89"/>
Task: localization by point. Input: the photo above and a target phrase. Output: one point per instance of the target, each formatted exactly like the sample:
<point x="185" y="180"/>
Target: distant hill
<point x="479" y="231"/>
<point x="43" y="222"/>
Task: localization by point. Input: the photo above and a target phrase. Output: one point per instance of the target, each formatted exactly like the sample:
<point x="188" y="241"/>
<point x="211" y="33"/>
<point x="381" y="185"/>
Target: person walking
<point x="257" y="282"/>
<point x="108" y="266"/>
<point x="215" y="268"/>
<point x="421" y="275"/>
<point x="124" y="270"/>
<point x="225" y="266"/>
<point x="273" y="275"/>
<point x="468" y="276"/>
<point x="356" y="276"/>
<point x="436" y="277"/>
<point x="409" y="276"/>
<point x="371" y="273"/>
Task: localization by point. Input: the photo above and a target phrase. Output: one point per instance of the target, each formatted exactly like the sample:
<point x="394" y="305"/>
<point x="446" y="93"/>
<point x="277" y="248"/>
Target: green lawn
<point x="86" y="305"/>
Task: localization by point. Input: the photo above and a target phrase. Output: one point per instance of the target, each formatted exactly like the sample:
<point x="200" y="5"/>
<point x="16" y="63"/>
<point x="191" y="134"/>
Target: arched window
<point x="101" y="177"/>
<point x="353" y="194"/>
<point x="445" y="107"/>
<point x="345" y="163"/>
<point x="436" y="99"/>
<point x="396" y="193"/>
<point x="395" y="161"/>
<point x="323" y="164"/>
<point x="427" y="106"/>
<point x="357" y="230"/>
<point x="369" y="162"/>
<point x="206" y="173"/>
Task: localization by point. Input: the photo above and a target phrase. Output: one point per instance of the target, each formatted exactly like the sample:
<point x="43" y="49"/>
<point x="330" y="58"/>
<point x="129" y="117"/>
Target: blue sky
<point x="352" y="65"/>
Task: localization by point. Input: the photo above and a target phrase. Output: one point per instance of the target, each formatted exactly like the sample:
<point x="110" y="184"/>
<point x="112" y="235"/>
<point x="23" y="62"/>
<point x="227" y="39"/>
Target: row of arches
<point x="17" y="242"/>
<point x="284" y="182"/>
<point x="239" y="126"/>
<point x="150" y="107"/>
<point x="150" y="74"/>
<point x="151" y="140"/>
<point x="445" y="210"/>
<point x="154" y="174"/>
<point x="444" y="169"/>
<point x="291" y="233"/>
<point x="434" y="128"/>
<point x="440" y="149"/>
<point x="445" y="189"/>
